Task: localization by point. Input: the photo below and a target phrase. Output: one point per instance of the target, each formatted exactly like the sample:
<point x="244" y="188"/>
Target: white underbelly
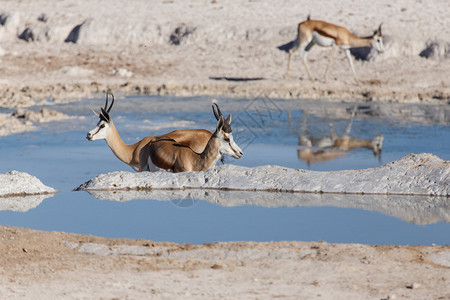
<point x="322" y="40"/>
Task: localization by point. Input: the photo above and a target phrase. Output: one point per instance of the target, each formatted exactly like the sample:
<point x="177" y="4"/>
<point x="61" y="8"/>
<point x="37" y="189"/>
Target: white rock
<point x="12" y="22"/>
<point x="20" y="183"/>
<point x="441" y="258"/>
<point x="423" y="174"/>
<point x="415" y="285"/>
<point x="75" y="71"/>
<point x="121" y="72"/>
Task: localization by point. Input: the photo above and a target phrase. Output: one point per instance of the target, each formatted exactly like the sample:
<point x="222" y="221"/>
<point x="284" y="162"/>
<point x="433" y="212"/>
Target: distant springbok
<point x="167" y="154"/>
<point x="313" y="32"/>
<point x="131" y="154"/>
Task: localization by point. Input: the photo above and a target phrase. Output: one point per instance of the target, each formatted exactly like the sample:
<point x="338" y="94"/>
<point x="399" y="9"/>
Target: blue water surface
<point x="61" y="157"/>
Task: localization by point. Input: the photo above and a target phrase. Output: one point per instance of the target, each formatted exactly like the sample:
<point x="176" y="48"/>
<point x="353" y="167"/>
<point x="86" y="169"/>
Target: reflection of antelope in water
<point x="316" y="149"/>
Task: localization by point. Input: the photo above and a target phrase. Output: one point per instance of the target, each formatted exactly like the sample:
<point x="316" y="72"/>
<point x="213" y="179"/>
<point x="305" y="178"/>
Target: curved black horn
<point x="220" y="123"/>
<point x="216" y="111"/>
<point x="379" y="29"/>
<point x="112" y="102"/>
<point x="106" y="102"/>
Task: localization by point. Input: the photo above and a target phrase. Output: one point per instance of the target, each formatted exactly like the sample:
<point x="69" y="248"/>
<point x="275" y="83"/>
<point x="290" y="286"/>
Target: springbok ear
<point x="228" y="120"/>
<point x="95" y="113"/>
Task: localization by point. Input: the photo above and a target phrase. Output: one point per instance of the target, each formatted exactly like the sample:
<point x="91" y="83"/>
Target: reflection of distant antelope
<point x="312" y="156"/>
<point x="346" y="142"/>
<point x="337" y="144"/>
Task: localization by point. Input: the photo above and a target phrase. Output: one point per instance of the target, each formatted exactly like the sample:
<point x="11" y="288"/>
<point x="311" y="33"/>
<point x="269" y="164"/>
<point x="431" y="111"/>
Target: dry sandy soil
<point x="225" y="48"/>
<point x="43" y="265"/>
<point x="130" y="47"/>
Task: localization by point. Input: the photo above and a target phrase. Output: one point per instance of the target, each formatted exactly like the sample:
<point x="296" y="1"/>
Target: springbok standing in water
<point x="313" y="32"/>
<point x="167" y="154"/>
<point x="195" y="139"/>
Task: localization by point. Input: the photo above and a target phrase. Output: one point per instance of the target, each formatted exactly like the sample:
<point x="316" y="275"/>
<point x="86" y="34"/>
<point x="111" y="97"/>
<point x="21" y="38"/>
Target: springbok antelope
<point x="313" y="32"/>
<point x="167" y="154"/>
<point x="132" y="154"/>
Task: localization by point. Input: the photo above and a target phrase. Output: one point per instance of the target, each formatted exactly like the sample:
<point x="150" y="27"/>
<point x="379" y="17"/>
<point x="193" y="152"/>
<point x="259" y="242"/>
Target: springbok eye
<point x="226" y="139"/>
<point x="102" y="126"/>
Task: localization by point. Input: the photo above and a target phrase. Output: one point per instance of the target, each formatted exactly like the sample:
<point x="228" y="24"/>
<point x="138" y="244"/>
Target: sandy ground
<point x="42" y="265"/>
<point x="128" y="47"/>
<point x="28" y="120"/>
<point x="225" y="48"/>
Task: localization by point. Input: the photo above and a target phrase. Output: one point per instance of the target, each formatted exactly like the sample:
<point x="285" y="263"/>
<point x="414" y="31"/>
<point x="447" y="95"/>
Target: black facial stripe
<point x="233" y="149"/>
<point x="96" y="132"/>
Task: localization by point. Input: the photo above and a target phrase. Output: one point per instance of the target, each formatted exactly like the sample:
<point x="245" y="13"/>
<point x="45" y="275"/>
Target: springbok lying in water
<point x="168" y="154"/>
<point x="195" y="139"/>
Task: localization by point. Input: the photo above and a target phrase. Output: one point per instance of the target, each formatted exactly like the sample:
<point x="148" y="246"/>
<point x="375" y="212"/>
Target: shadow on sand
<point x="237" y="79"/>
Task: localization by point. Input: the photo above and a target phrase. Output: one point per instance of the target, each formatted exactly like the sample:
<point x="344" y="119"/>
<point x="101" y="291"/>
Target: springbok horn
<point x="220" y="123"/>
<point x="95" y="113"/>
<point x="105" y="115"/>
<point x="215" y="111"/>
<point x="106" y="103"/>
<point x="218" y="109"/>
<point x="112" y="102"/>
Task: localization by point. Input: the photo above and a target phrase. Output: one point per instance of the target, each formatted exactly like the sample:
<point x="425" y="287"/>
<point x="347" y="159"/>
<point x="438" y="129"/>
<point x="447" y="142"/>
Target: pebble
<point x="414" y="286"/>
